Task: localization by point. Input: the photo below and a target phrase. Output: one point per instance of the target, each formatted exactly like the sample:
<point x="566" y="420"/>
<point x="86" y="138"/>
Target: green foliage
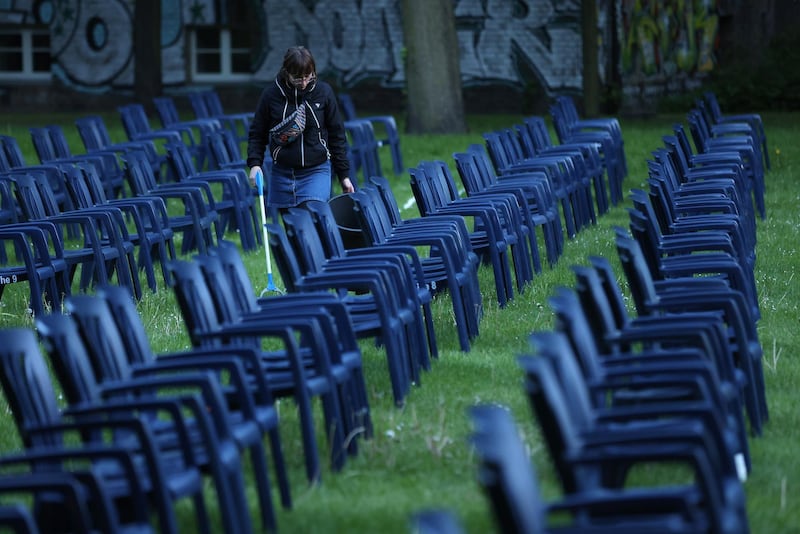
<point x="419" y="457"/>
<point x="773" y="83"/>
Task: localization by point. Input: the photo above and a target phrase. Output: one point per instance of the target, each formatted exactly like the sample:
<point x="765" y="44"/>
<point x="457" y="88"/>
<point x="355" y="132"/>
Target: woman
<point x="298" y="118"/>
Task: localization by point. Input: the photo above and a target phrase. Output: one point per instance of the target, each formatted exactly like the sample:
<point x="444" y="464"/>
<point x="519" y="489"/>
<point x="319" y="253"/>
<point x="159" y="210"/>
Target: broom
<point x="270" y="282"/>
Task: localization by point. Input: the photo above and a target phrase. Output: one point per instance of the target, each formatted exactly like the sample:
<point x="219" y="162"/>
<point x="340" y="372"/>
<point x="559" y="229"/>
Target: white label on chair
<point x="741" y="467"/>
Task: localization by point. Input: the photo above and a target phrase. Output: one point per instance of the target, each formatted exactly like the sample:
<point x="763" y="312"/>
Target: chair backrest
<point x="424" y="192"/>
<point x="551" y="407"/>
<point x="305" y="240"/>
<point x="5" y="164"/>
<point x="443" y="179"/>
<point x="241" y="285"/>
<point x="195" y="301"/>
<point x="561" y="123"/>
<point x="199" y="106"/>
<point x="526" y="140"/>
<point x="167" y="112"/>
<point x="13" y="151"/>
<point x="71" y="362"/>
<point x="100" y="336"/>
<point x="637" y="272"/>
<point x="505" y="471"/>
<point x="555" y="346"/>
<point x="8" y="206"/>
<point x="28" y="194"/>
<point x="363" y="147"/>
<point x="484" y="163"/>
<point x="347" y="107"/>
<point x="572" y="323"/>
<point x="94" y="182"/>
<point x="134" y="120"/>
<point x="213" y="103"/>
<point x="27" y="386"/>
<point x="284" y="257"/>
<point x="225" y="302"/>
<point x="138" y="171"/>
<point x="98" y="128"/>
<point x="595" y="305"/>
<point x="80" y="190"/>
<point x="375" y="220"/>
<point x="42" y="144"/>
<point x="223" y="149"/>
<point x="328" y="231"/>
<point x="539" y="134"/>
<point x="180" y="160"/>
<point x="128" y="322"/>
<point x="498" y="152"/>
<point x="384" y="188"/>
<point x="467" y="168"/>
<point x="611" y="288"/>
<point x="641" y="230"/>
<point x="59" y="140"/>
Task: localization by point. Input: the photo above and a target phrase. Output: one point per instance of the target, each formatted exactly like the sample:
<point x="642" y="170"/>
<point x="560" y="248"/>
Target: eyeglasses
<point x="303" y="80"/>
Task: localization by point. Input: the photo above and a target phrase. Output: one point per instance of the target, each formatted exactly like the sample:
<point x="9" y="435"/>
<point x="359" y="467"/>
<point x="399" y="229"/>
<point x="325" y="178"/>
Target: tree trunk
<point x="591" y="77"/>
<point x="147" y="50"/>
<point x="433" y="72"/>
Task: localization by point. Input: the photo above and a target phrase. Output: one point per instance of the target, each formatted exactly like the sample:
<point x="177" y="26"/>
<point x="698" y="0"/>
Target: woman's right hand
<point x="253" y="172"/>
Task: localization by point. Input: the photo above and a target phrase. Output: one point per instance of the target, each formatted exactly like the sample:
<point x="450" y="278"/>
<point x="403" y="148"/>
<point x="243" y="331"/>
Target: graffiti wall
<point x="92" y="40"/>
<point x="666" y="44"/>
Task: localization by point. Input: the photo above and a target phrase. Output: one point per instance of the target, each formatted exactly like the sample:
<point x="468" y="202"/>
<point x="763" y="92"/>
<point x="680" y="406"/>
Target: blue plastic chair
<point x="137" y="127"/>
<point x="42" y="426"/>
<point x="153" y="235"/>
<point x="508" y="479"/>
<point x="190" y="205"/>
<point x="284" y="368"/>
<point x="391" y="136"/>
<point x="321" y="332"/>
<point x="333" y="247"/>
<point x="489" y="238"/>
<point x="51" y="146"/>
<point x="446" y="252"/>
<point x="104" y="247"/>
<point x="535" y="138"/>
<point x="206" y="104"/>
<point x="701" y="293"/>
<point x="89" y="359"/>
<point x="236" y="203"/>
<point x="387" y="279"/>
<point x="379" y="318"/>
<point x="537" y="208"/>
<point x="753" y="119"/>
<point x="590" y="456"/>
<point x="35" y="262"/>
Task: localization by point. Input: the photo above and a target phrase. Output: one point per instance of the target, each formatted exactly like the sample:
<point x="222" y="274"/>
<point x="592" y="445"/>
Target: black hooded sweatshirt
<point x="324" y="135"/>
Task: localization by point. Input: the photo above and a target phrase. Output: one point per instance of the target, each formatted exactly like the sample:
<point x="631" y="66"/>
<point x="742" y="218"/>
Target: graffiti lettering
<point x="92" y="40"/>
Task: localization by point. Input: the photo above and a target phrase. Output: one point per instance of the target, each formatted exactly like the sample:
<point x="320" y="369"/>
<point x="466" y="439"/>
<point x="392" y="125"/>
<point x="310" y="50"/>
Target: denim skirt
<point x="288" y="187"/>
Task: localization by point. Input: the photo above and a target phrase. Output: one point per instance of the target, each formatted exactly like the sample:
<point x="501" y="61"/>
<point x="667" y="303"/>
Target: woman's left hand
<point x="347" y="186"/>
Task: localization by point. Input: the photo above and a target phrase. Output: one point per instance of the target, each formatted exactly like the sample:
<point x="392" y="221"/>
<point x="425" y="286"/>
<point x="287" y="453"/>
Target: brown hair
<point x="298" y="62"/>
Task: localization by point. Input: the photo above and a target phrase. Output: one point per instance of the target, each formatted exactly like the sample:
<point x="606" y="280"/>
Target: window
<point x="218" y="54"/>
<point x="24" y="54"/>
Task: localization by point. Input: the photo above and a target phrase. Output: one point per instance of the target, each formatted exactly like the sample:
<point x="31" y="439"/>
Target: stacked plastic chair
<point x="538" y="205"/>
<point x="497" y="234"/>
<point x="389" y="135"/>
<point x="207" y="104"/>
<point x="141" y="465"/>
<point x="606" y="132"/>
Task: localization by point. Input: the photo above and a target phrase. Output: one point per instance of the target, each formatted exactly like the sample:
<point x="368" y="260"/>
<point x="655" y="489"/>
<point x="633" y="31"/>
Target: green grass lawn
<point x="419" y="457"/>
